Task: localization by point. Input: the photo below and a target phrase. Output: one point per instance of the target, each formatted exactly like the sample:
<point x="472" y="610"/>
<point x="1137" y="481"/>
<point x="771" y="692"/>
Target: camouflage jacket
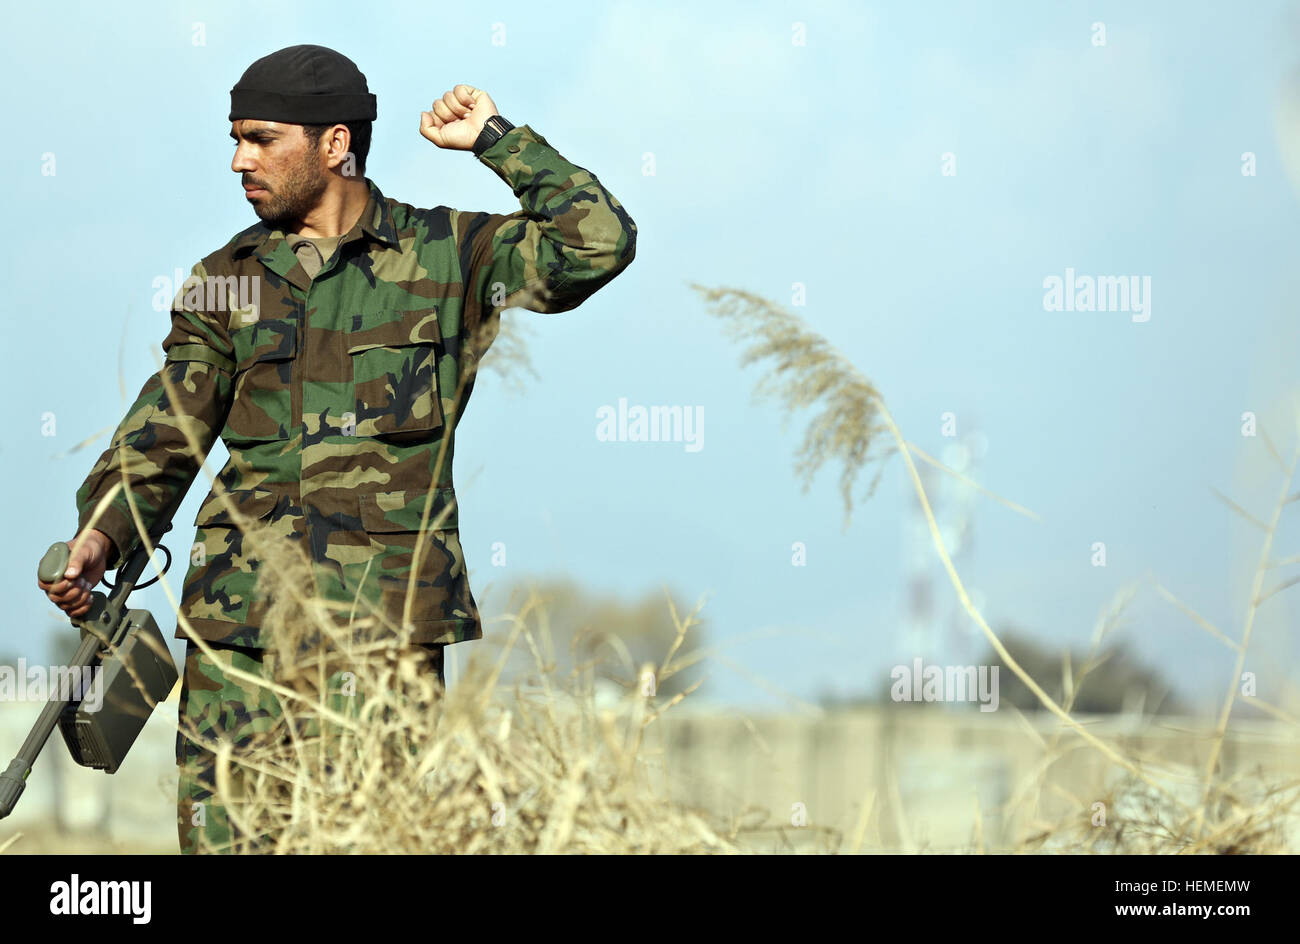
<point x="336" y="396"/>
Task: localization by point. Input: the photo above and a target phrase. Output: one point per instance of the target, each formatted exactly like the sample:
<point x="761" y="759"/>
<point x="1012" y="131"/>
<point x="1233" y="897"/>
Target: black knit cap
<point x="303" y="85"/>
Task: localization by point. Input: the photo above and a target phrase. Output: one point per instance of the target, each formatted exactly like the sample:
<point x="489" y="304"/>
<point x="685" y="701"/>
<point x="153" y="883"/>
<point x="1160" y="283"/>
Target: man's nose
<point x="241" y="163"/>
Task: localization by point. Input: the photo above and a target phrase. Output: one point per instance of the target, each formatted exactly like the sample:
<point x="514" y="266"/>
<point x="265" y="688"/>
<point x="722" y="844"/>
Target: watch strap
<point x="493" y="130"/>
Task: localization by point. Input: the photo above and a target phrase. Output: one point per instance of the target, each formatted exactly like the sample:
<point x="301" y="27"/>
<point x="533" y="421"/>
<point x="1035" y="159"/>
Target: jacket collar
<point x="271" y="246"/>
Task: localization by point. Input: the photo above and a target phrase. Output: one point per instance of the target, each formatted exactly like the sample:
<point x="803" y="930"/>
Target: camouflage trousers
<point x="220" y="707"/>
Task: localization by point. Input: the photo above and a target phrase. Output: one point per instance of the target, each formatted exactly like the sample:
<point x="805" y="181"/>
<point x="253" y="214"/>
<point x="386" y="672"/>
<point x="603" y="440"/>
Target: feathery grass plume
<point x="807" y="369"/>
<point x="504" y="339"/>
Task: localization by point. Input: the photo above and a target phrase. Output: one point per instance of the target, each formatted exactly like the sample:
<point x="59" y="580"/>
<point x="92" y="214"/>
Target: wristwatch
<point x="493" y="129"/>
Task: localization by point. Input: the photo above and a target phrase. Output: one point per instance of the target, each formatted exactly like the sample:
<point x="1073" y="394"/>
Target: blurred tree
<point x="1116" y="680"/>
<point x="579" y="631"/>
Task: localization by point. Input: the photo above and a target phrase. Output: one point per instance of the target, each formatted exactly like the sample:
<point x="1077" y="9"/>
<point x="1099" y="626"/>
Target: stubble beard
<point x="296" y="195"/>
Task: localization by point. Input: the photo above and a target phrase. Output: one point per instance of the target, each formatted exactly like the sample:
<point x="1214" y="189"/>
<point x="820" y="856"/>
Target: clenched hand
<point x="457" y="118"/>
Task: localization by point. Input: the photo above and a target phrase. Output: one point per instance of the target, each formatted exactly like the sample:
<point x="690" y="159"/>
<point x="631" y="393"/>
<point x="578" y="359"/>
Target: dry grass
<point x="540" y="767"/>
<point x="474" y="770"/>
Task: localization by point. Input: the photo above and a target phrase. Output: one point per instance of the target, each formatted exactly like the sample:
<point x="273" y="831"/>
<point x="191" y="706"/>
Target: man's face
<point x="283" y="175"/>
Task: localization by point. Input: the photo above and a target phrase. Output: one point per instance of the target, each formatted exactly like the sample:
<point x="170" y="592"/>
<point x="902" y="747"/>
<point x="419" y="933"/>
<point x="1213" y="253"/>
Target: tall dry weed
<point x="1229" y="813"/>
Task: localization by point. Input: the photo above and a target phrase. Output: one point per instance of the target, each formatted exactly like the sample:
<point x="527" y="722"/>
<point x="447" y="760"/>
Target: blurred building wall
<point x="928" y="773"/>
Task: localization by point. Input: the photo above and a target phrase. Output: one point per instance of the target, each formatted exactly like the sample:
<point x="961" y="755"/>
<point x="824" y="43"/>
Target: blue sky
<point x="774" y="164"/>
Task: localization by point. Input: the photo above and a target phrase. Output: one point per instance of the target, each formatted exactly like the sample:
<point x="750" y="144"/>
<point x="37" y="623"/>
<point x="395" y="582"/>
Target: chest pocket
<point x="261" y="408"/>
<point x="394" y="357"/>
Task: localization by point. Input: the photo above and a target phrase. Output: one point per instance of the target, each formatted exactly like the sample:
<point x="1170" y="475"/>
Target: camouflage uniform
<point x="336" y="395"/>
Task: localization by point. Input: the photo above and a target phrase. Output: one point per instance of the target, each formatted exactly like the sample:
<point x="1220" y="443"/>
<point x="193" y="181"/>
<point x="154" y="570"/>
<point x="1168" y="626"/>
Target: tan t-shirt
<point x="312" y="252"/>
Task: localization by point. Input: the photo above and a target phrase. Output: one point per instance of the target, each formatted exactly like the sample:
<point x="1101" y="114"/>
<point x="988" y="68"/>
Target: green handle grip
<point x="55" y="562"/>
<point x="12" y="783"/>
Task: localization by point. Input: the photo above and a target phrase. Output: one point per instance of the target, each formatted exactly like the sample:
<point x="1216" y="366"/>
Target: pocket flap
<point x="253" y="502"/>
<point x="394" y="329"/>
<point x="402" y="510"/>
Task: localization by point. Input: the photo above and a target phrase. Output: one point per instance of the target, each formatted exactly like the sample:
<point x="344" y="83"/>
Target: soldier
<point x="332" y="346"/>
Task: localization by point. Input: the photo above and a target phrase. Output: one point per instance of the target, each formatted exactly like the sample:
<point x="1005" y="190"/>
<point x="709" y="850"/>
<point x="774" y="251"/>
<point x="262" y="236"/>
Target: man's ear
<point x="339" y="152"/>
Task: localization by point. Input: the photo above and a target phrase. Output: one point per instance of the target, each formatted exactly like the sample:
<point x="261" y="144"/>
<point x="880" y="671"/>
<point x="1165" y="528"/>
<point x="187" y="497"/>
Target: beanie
<point x="303" y="85"/>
